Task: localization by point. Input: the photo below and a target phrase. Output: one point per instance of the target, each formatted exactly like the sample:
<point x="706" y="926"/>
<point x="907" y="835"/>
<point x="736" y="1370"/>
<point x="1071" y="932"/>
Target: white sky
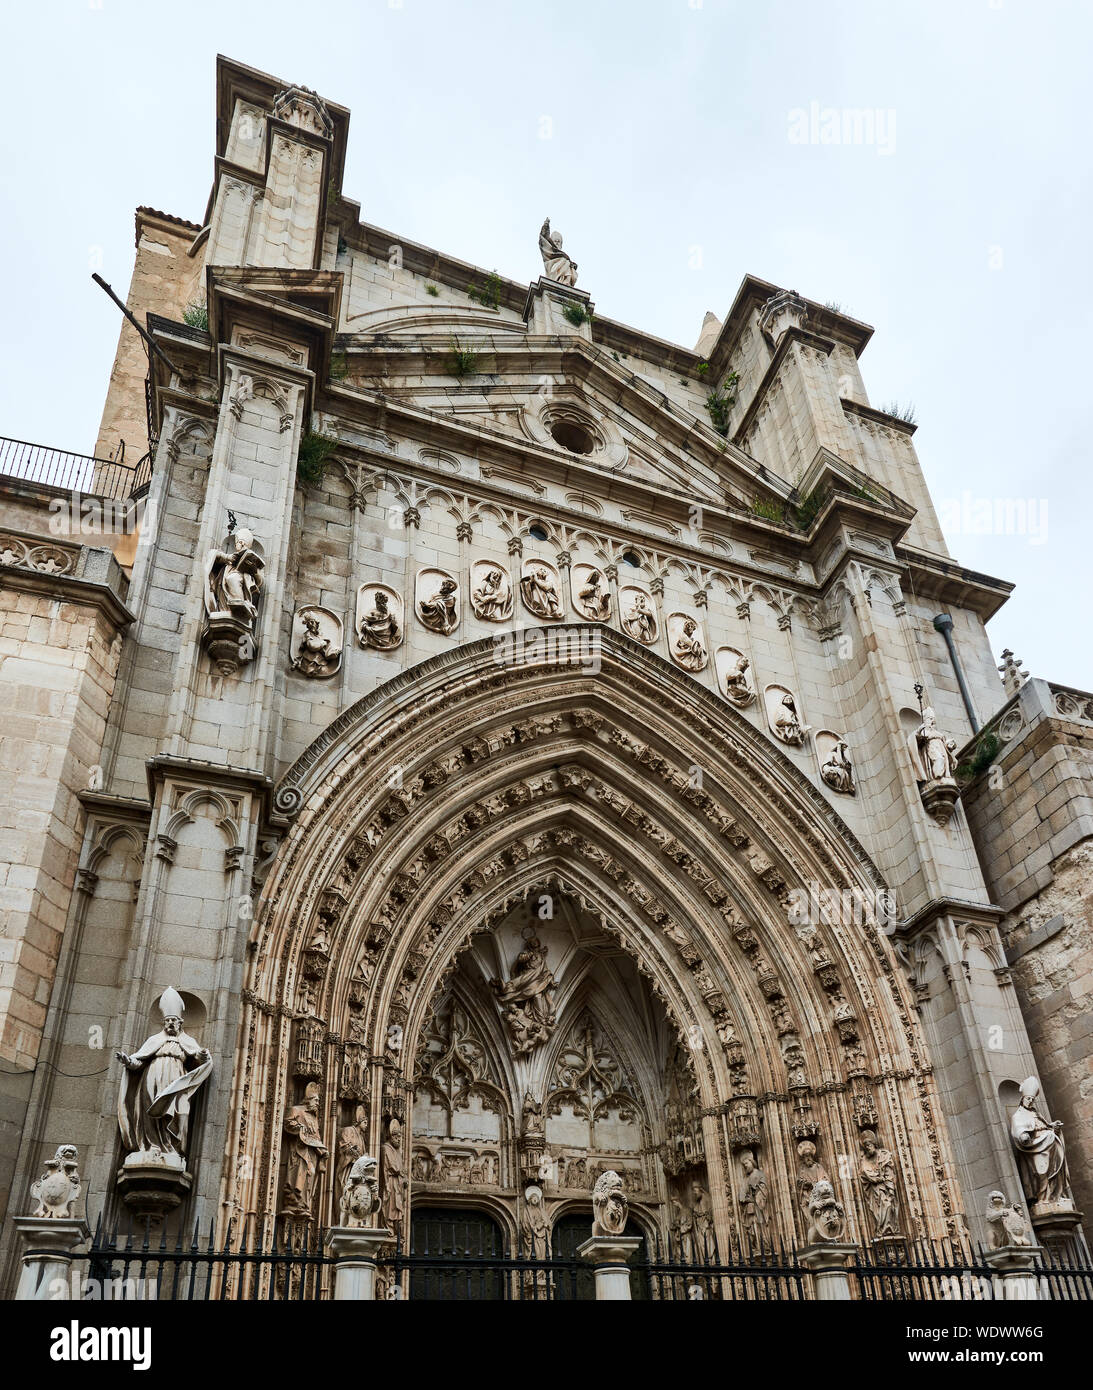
<point x="962" y="233"/>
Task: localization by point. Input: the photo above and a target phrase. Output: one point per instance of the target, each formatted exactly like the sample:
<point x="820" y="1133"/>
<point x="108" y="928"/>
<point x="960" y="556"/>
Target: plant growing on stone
<point x="906" y="413"/>
<point x="490" y="297"/>
<point x="432" y="289"/>
<point x="315" y="449"/>
<point x="769" y="510"/>
<point x="462" y="361"/>
<point x="720" y="402"/>
<point x="576" y="314"/>
<point x="197" y="316"/>
<point x="339" y="366"/>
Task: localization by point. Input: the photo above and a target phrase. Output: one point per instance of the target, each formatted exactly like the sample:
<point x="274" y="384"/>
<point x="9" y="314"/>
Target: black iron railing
<point x="700" y="1271"/>
<point x="84" y="473"/>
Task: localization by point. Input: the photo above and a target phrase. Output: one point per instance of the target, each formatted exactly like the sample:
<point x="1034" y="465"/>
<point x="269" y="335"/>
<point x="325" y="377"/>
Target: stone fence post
<point x="608" y="1256"/>
<point x="356" y="1250"/>
<point x="49" y="1246"/>
<point x="826" y="1260"/>
<point x="1014" y="1269"/>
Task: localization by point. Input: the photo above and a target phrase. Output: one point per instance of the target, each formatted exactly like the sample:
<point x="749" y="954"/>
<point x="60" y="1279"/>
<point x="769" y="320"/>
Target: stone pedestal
<point x="826" y="1260"/>
<point x="608" y="1256"/>
<point x="1015" y="1269"/>
<point x="355" y="1250"/>
<point x="545" y="309"/>
<point x="54" y="1242"/>
<point x="1055" y="1222"/>
<point x="151" y="1188"/>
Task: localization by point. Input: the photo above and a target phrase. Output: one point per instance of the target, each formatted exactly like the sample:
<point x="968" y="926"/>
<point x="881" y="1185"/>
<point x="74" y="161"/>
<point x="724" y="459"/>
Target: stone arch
<point x="434" y="805"/>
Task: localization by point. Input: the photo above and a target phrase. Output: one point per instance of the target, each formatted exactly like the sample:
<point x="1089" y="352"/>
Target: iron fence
<point x="59" y="468"/>
<point x="769" y="1273"/>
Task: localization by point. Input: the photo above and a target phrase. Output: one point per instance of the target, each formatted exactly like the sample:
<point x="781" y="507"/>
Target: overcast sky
<point x="678" y="145"/>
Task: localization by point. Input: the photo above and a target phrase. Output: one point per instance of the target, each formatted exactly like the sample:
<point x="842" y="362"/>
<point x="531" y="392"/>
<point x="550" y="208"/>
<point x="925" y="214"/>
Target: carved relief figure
<point x="610" y="1207"/>
<point x="639" y="617"/>
<point x="702" y="1218"/>
<point x="491" y="596"/>
<point x="826" y="1219"/>
<point x="316" y="642"/>
<point x="540" y="592"/>
<point x="306" y="1153"/>
<point x="233" y="580"/>
<point x="936" y="751"/>
<point x="378" y="623"/>
<point x="592" y="597"/>
<point x="688" y="649"/>
<point x="1006" y="1223"/>
<point x="161" y="1076"/>
<point x="809" y="1174"/>
<point x="439" y="610"/>
<point x="786" y="722"/>
<point x="754" y="1200"/>
<point x="1041" y="1150"/>
<point x="394" y="1179"/>
<point x="352" y="1141"/>
<point x="527" y="999"/>
<point x="359" y="1193"/>
<point x="557" y="263"/>
<point x="735" y="678"/>
<point x="837" y="770"/>
<point x="534" y="1226"/>
<point x="878" y="1178"/>
<point x="59" y="1186"/>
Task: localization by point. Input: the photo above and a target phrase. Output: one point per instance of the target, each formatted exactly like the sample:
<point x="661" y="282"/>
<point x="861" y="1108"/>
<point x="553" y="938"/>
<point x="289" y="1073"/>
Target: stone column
<point x="355" y="1250"/>
<point x="608" y="1256"/>
<point x="53" y="1242"/>
<point x="1014" y="1269"/>
<point x="826" y="1260"/>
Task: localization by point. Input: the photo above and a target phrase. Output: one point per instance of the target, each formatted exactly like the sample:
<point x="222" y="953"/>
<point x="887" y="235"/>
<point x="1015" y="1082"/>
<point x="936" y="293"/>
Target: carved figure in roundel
<point x="591" y="593"/>
<point x="782" y="716"/>
<point x="835" y="766"/>
<point x="639" y="614"/>
<point x="732" y="669"/>
<point x="379" y="617"/>
<point x="610" y="1207"/>
<point x="491" y="591"/>
<point x="685" y="642"/>
<point x="316" y="642"/>
<point x="539" y="589"/>
<point x="438" y="600"/>
<point x="826" y="1219"/>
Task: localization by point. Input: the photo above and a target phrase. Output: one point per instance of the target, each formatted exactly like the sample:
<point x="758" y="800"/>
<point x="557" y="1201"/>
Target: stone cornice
<point x="90" y="576"/>
<point x="945" y="580"/>
<point x="167" y="765"/>
<point x="928" y="913"/>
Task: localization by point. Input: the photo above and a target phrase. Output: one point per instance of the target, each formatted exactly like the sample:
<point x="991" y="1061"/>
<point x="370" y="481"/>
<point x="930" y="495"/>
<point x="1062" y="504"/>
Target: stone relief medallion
<point x="437" y="600"/>
<point x="639" y="613"/>
<point x="591" y="593"/>
<point x="685" y="644"/>
<point x="836" y="768"/>
<point x="783" y="716"/>
<point x="541" y="589"/>
<point x="316" y="646"/>
<point x="491" y="591"/>
<point x="734" y="676"/>
<point x="379" y="622"/>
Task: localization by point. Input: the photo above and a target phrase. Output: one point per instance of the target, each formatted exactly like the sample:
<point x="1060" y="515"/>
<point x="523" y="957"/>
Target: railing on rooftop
<point x="58" y="468"/>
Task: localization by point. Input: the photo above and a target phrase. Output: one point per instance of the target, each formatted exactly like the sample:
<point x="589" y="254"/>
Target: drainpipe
<point x="944" y="625"/>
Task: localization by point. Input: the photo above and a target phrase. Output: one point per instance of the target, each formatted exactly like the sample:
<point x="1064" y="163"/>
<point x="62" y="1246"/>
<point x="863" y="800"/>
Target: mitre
<point x="170" y="1003"/>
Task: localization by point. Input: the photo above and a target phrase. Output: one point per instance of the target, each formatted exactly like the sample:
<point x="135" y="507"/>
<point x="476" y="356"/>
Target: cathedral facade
<point x="485" y="748"/>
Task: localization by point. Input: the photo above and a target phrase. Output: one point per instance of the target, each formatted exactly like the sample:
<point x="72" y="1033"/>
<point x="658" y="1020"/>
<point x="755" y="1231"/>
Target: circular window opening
<point x="537" y="533"/>
<point x="572" y="437"/>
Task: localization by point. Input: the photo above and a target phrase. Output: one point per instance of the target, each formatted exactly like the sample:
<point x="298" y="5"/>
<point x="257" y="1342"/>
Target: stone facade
<point x="459" y="748"/>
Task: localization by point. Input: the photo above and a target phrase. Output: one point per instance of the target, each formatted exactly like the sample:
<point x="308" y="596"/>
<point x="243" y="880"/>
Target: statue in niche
<point x="233" y="580"/>
<point x="593" y="600"/>
<point x="492" y="598"/>
<point x="701" y="1218"/>
<point x="558" y="264"/>
<point x="359" y="1193"/>
<point x="161" y="1077"/>
<point x="826" y="1218"/>
<point x="58" y="1188"/>
<point x="315" y="655"/>
<point x="1041" y="1151"/>
<point x="689" y="649"/>
<point x="809" y="1174"/>
<point x="379" y="627"/>
<point x="527" y="999"/>
<point x="534" y="1226"/>
<point x="531" y="1126"/>
<point x="540" y="593"/>
<point x="306" y="1153"/>
<point x="352" y="1143"/>
<point x="936" y="751"/>
<point x="640" y="622"/>
<point x="787" y="724"/>
<point x="610" y="1206"/>
<point x="878" y="1177"/>
<point x="394" y="1179"/>
<point x="837" y="769"/>
<point x="737" y="688"/>
<point x="1006" y="1223"/>
<point x="754" y="1200"/>
<point x="441" y="612"/>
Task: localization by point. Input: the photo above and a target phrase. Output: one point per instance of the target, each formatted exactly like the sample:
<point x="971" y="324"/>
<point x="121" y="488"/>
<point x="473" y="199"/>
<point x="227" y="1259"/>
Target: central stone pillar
<point x="826" y="1260"/>
<point x="49" y="1246"/>
<point x="356" y="1250"/>
<point x="608" y="1256"/>
<point x="1014" y="1267"/>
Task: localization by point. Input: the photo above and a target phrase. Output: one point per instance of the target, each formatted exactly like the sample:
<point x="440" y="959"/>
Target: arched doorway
<point x="468" y="1247"/>
<point x="570" y="1232"/>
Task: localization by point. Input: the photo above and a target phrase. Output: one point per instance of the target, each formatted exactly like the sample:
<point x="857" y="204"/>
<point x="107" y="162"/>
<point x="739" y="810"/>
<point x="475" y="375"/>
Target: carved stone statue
<point x="441" y="611"/>
<point x="878" y="1177"/>
<point x="787" y="723"/>
<point x="826" y="1219"/>
<point x="352" y="1142"/>
<point x="809" y="1174"/>
<point x="360" y="1193"/>
<point x="593" y="600"/>
<point x="936" y="751"/>
<point x="315" y="654"/>
<point x="160" y="1078"/>
<point x="534" y="1225"/>
<point x="1006" y="1223"/>
<point x="527" y="999"/>
<point x="491" y="599"/>
<point x="532" y="1118"/>
<point x="689" y="649"/>
<point x="540" y="593"/>
<point x="378" y="627"/>
<point x="557" y="263"/>
<point x="233" y="579"/>
<point x="610" y="1207"/>
<point x="306" y="1153"/>
<point x="1041" y="1151"/>
<point x="737" y="688"/>
<point x="701" y="1218"/>
<point x="394" y="1179"/>
<point x="640" y="621"/>
<point x="754" y="1200"/>
<point x="57" y="1189"/>
<point x="837" y="769"/>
